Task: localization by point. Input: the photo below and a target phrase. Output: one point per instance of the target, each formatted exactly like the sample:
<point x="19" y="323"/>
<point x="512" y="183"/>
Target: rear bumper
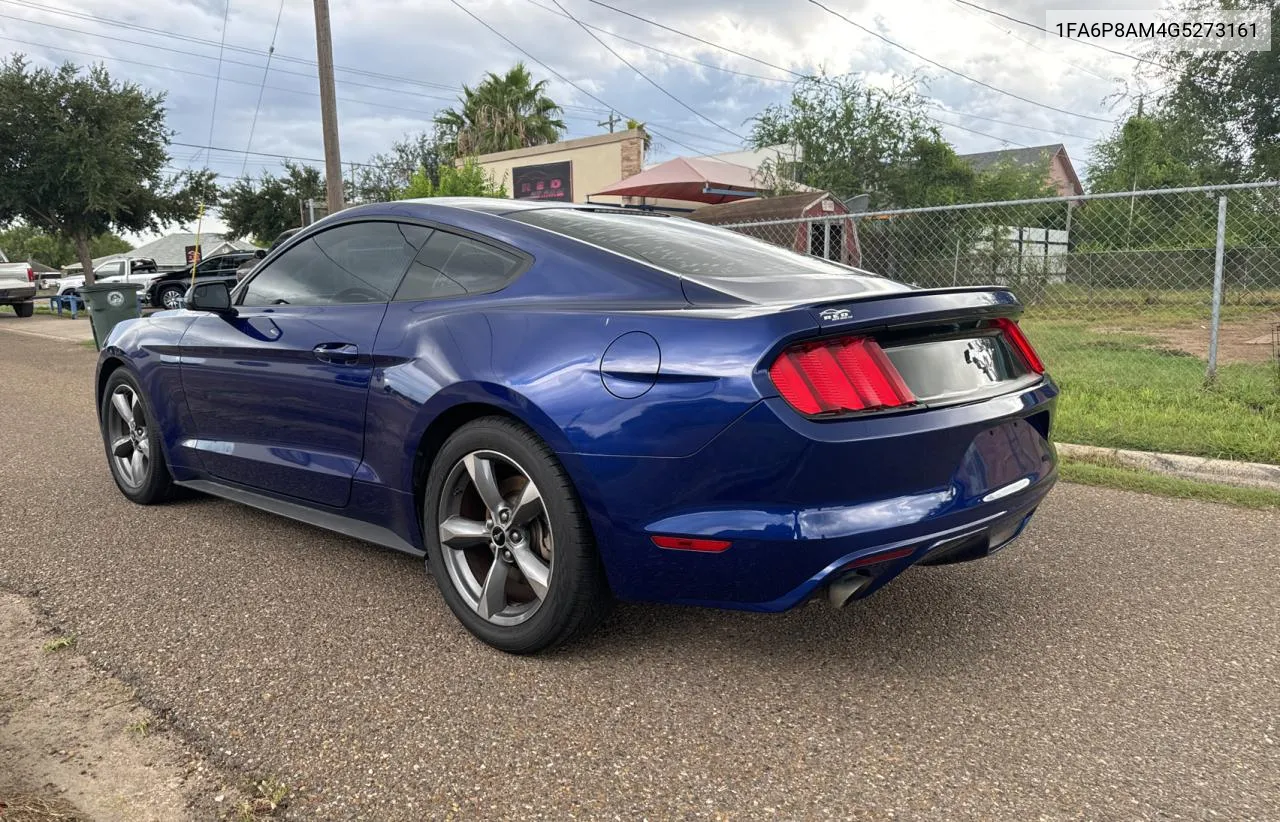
<point x="17" y="295"/>
<point x="801" y="504"/>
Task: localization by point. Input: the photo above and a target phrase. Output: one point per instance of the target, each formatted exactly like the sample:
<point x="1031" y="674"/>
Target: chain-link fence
<point x="1154" y="309"/>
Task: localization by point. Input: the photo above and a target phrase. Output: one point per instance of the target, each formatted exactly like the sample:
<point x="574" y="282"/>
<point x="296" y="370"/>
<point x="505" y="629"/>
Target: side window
<point x="108" y="270"/>
<point x="353" y="263"/>
<point x="452" y="266"/>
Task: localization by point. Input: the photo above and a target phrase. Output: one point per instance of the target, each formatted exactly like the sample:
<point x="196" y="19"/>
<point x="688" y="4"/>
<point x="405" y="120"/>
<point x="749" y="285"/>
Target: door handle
<point x="336" y="352"/>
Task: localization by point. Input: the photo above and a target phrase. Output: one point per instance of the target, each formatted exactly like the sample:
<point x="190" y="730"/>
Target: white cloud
<point x="432" y="48"/>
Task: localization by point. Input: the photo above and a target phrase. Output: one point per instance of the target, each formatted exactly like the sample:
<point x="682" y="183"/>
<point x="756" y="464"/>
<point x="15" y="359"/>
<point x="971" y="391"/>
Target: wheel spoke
<point x="137" y="466"/>
<point x="481" y="471"/>
<point x="123" y="407"/>
<point x="533" y="569"/>
<point x="143" y="446"/>
<point x="528" y="506"/>
<point x="125" y="465"/>
<point x="493" y="596"/>
<point x="122" y="447"/>
<point x="460" y="532"/>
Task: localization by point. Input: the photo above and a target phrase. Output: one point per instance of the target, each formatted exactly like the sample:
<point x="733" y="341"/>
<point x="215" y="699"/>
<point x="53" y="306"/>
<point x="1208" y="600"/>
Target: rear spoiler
<point x="920" y="307"/>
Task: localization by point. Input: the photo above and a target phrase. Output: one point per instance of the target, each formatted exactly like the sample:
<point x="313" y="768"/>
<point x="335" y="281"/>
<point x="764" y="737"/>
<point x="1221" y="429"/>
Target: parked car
<point x="559" y="405"/>
<point x="17" y="286"/>
<point x="167" y="290"/>
<point x="141" y="270"/>
<point x="249" y="265"/>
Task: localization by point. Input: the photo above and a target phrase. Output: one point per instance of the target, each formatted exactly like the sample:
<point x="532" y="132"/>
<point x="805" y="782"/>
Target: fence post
<point x="826" y="240"/>
<point x="1211" y="373"/>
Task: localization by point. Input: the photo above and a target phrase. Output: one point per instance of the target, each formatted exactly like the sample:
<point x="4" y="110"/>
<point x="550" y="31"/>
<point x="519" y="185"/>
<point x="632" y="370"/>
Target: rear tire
<point x="131" y="437"/>
<point x="506" y="506"/>
<point x="24" y="309"/>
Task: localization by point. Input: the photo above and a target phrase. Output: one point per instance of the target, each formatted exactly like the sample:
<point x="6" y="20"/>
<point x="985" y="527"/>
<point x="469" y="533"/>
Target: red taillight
<point x="711" y="546"/>
<point x="1019" y="341"/>
<point x="31" y="274"/>
<point x="846" y="374"/>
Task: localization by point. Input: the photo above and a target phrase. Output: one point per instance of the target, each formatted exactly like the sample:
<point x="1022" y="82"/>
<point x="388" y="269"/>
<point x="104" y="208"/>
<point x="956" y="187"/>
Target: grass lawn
<point x="1112" y="476"/>
<point x="1127" y="391"/>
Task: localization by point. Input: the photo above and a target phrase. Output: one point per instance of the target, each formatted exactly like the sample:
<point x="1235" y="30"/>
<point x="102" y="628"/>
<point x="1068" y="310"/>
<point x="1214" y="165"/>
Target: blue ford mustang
<point x="563" y="405"/>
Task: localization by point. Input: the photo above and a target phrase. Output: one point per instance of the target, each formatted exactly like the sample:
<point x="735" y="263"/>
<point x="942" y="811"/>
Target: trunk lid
<point x="946" y="346"/>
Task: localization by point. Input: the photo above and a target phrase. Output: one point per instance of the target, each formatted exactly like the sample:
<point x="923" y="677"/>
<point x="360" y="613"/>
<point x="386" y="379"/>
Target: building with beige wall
<point x="567" y="171"/>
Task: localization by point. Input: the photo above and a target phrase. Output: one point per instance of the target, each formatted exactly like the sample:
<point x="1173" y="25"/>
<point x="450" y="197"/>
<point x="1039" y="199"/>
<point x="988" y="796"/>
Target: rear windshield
<point x="719" y="258"/>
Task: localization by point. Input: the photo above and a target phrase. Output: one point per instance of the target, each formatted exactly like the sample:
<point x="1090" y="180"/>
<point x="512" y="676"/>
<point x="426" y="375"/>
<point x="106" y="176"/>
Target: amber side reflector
<point x="710" y="546"/>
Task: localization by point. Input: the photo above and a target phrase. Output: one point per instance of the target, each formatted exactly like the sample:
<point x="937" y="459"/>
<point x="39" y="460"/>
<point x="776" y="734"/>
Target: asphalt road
<point x="1121" y="662"/>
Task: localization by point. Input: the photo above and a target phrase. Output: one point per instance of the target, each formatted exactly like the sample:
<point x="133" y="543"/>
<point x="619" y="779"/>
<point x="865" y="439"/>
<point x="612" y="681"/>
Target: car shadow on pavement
<point x="929" y="619"/>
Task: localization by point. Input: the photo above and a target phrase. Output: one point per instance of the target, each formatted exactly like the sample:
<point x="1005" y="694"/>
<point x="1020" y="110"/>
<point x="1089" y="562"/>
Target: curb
<point x="1199" y="469"/>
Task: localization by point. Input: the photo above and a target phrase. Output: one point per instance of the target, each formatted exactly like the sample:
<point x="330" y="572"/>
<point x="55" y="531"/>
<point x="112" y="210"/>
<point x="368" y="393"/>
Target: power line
<point x="217" y="83"/>
<point x="654" y="48"/>
<point x="263" y="87"/>
<point x="646" y="77"/>
<point x="308" y="75"/>
<point x="1010" y="33"/>
<point x="557" y="74"/>
<point x="695" y="37"/>
<point x="173" y="35"/>
<point x="799" y="75"/>
<point x="947" y="68"/>
<point x="1040" y="28"/>
<point x="110" y="58"/>
<point x="263" y="154"/>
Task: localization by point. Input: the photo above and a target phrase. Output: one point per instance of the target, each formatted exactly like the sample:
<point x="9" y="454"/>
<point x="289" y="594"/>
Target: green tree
<point x="23" y="242"/>
<point x="852" y="138"/>
<point x="263" y="208"/>
<point x="468" y="180"/>
<point x="1227" y="99"/>
<point x="387" y="174"/>
<point x="84" y="155"/>
<point x="501" y="113"/>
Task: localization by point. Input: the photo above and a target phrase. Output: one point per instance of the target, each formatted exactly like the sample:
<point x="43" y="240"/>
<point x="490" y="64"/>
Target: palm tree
<point x="501" y="113"/>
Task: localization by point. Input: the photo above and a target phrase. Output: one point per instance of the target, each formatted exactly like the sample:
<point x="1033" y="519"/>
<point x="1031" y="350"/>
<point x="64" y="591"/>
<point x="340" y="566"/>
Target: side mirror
<point x="214" y="297"/>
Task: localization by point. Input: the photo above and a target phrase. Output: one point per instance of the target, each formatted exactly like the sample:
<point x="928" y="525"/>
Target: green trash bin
<point x="109" y="304"/>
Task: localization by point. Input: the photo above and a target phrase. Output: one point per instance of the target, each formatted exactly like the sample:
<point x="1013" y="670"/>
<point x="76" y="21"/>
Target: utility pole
<point x="612" y="121"/>
<point x="328" y="108"/>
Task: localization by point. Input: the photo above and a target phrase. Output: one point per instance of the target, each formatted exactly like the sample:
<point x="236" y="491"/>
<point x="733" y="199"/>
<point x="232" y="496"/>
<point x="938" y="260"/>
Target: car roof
<point x="502" y="207"/>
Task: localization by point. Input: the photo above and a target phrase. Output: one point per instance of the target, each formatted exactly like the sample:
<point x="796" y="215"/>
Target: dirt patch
<point x="75" y="744"/>
<point x="1243" y="341"/>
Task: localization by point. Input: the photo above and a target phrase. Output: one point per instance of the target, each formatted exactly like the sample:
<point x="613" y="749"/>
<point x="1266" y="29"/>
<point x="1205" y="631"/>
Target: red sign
<point x="550" y="181"/>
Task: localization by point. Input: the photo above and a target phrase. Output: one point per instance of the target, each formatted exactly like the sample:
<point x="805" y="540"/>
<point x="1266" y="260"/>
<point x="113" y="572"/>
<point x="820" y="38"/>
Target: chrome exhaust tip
<point x="845" y="588"/>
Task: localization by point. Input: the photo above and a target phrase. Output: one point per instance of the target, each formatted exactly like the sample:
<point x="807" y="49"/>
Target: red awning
<point x="697" y="179"/>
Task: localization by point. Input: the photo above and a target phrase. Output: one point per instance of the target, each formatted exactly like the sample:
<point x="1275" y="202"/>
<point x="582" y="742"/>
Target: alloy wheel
<point x="495" y="537"/>
<point x="172" y="298"/>
<point x="128" y="437"/>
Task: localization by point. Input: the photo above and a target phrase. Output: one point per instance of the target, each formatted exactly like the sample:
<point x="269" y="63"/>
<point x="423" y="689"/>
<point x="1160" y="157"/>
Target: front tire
<point x="508" y="542"/>
<point x="131" y="437"/>
<point x="171" y="296"/>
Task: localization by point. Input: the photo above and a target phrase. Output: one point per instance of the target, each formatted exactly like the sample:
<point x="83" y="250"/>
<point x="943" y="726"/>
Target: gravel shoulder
<point x="75" y="743"/>
<point x="1122" y="661"/>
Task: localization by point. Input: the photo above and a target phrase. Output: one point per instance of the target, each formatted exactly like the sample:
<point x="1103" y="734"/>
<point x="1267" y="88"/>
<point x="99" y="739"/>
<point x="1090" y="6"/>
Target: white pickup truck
<point x="17" y="286"/>
<point x="141" y="270"/>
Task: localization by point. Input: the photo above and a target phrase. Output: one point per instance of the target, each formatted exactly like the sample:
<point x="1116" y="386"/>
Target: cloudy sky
<point x="402" y="60"/>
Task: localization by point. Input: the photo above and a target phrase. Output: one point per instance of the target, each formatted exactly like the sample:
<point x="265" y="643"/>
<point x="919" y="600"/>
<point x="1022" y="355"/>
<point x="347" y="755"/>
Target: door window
<point x="353" y="263"/>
